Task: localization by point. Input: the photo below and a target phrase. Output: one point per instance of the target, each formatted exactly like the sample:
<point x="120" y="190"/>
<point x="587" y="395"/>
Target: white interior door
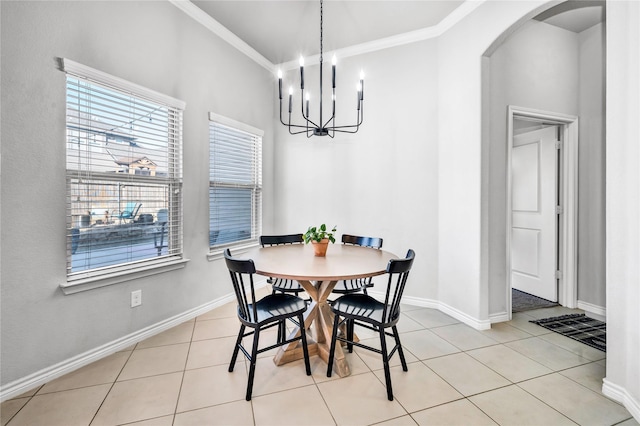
<point x="533" y="216"/>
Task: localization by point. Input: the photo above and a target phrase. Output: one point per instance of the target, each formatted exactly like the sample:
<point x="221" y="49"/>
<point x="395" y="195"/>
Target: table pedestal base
<point x="320" y="316"/>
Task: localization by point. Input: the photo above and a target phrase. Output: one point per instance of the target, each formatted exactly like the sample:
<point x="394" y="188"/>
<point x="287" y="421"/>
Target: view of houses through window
<point x="123" y="177"/>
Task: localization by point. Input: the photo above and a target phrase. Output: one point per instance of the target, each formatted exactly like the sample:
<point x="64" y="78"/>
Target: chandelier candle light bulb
<point x="333" y="74"/>
<point x="290" y="97"/>
<point x="301" y="73"/>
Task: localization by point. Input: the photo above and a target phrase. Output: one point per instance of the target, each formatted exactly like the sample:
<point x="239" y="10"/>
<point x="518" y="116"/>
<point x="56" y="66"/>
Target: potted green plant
<point x="319" y="237"/>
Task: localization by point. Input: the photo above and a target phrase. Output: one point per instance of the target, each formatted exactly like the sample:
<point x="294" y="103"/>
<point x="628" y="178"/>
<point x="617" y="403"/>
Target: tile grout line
<point x="561" y="413"/>
<point x="184" y="370"/>
<point x="369" y="369"/>
<point x="24" y="405"/>
<point x="112" y="385"/>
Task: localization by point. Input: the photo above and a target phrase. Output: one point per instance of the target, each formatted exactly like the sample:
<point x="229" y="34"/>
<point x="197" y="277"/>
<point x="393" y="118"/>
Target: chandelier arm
<point x="289" y="125"/>
<point x="306" y="117"/>
<point x="332" y="118"/>
<point x="343" y="128"/>
<point x="357" y="125"/>
<point x="310" y="123"/>
<point x="331" y="131"/>
<point x="298" y="126"/>
<point x="296" y="133"/>
<point x="346" y="131"/>
<point x="281" y="120"/>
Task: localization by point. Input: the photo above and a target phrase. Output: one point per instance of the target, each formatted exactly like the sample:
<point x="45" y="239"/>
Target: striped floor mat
<point x="578" y="327"/>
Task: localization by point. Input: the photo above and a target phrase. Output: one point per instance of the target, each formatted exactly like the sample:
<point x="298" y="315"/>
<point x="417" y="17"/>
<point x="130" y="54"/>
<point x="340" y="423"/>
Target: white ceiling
<point x="575" y="15"/>
<point x="282" y="30"/>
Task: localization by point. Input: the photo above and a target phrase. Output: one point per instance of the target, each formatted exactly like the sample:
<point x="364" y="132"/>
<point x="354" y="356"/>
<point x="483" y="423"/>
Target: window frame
<point x="216" y="251"/>
<point x="126" y="271"/>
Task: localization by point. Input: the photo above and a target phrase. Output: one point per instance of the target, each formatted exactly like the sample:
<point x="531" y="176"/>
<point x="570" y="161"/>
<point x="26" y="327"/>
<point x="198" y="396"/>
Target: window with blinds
<point x="235" y="183"/>
<point x="124" y="174"/>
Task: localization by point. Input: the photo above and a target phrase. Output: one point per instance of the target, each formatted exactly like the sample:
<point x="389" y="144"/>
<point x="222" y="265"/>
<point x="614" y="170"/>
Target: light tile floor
<point x="517" y="373"/>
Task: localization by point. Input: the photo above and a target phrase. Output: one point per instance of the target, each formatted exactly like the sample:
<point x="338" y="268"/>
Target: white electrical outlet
<point x="136" y="298"/>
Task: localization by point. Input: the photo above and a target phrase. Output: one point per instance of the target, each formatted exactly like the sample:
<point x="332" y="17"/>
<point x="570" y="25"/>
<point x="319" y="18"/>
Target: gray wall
<point x="153" y="44"/>
<point x="591" y="170"/>
<point x="547" y="68"/>
<point x="381" y="181"/>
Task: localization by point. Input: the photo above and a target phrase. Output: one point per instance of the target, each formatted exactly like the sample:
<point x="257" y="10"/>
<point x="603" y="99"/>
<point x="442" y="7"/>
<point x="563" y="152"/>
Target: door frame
<point x="567" y="234"/>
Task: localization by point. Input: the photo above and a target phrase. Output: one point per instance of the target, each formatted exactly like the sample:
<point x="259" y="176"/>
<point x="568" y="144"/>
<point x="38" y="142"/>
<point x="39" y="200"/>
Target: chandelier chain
<point x="321" y="23"/>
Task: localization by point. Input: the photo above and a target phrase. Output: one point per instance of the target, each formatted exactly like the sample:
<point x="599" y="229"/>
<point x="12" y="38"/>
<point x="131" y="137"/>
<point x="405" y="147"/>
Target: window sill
<point x="91" y="282"/>
<point x="218" y="252"/>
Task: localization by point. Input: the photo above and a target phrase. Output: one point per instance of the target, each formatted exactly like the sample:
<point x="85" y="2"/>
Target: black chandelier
<point x="327" y="128"/>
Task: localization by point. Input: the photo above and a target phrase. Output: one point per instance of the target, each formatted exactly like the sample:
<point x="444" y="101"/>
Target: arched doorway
<point x="539" y="66"/>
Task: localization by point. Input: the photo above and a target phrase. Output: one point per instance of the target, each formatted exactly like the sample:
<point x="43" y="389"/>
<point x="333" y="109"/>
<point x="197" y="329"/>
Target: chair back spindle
<point x="275" y="240"/>
<point x="356" y="240"/>
<point x="281" y="284"/>
<point x="359" y="284"/>
<point x="398" y="271"/>
<point x="238" y="268"/>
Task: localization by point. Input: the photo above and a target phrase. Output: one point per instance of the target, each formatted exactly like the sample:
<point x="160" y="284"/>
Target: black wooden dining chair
<point x="365" y="311"/>
<point x="359" y="284"/>
<point x="259" y="315"/>
<point x="281" y="284"/>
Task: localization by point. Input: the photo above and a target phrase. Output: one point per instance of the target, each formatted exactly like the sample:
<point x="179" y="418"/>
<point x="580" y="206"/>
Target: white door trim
<point x="567" y="234"/>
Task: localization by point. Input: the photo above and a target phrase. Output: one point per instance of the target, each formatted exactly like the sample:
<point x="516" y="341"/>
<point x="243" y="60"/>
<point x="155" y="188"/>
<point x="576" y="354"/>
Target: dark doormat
<point x="578" y="327"/>
<point x="521" y="301"/>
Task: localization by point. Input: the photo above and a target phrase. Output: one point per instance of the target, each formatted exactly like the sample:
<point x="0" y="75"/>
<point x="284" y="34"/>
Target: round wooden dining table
<point x="318" y="276"/>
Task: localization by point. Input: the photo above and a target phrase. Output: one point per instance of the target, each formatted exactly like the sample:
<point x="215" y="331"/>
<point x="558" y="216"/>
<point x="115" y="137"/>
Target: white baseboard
<point x="620" y="394"/>
<point x="443" y="307"/>
<point x="501" y="317"/>
<point x="465" y="318"/>
<point x="418" y="301"/>
<point x="591" y="310"/>
<point x="22" y="385"/>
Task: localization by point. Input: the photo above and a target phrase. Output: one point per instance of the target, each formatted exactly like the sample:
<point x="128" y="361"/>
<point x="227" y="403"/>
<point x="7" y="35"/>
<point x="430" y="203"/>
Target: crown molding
<point x="458" y="15"/>
<point x="398" y="40"/>
<point x="221" y="31"/>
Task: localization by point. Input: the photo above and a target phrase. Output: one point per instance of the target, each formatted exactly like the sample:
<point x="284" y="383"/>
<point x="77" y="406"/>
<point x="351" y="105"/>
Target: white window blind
<point x="235" y="183"/>
<point x="124" y="174"/>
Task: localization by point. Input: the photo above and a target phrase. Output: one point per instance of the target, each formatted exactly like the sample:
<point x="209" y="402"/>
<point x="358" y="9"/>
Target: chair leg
<point x="350" y="326"/>
<point x="252" y="366"/>
<point x="236" y="348"/>
<point x="305" y="348"/>
<point x="385" y="362"/>
<point x="332" y="349"/>
<point x="282" y="331"/>
<point x="400" y="351"/>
